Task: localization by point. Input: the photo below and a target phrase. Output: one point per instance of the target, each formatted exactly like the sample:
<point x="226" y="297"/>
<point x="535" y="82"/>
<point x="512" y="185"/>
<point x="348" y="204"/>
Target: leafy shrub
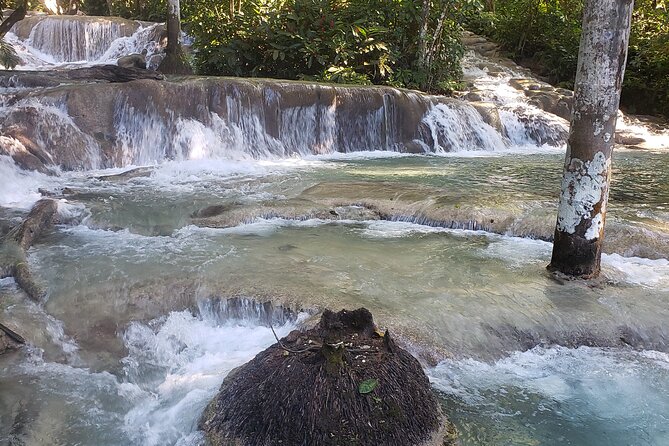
<point x="352" y="41"/>
<point x="646" y="86"/>
<point x="8" y="57"/>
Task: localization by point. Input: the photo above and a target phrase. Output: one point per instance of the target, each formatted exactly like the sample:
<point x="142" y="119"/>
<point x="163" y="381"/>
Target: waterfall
<point x="249" y="119"/>
<point x="456" y="127"/>
<point x="237" y="119"/>
<point x="44" y="42"/>
<point x="70" y="39"/>
<point x="218" y="118"/>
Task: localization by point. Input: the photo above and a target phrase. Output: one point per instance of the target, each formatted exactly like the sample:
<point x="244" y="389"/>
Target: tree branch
<point x="16" y="16"/>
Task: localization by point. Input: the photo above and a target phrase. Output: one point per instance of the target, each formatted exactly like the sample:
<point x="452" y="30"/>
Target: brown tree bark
<point x="579" y="231"/>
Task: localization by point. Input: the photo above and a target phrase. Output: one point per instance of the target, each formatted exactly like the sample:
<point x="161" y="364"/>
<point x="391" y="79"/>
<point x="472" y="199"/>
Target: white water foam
<point x="654" y="139"/>
<point x="19" y="188"/>
<point x="174" y="367"/>
<point x="558" y="392"/>
<point x="178" y="367"/>
<point x="457" y="128"/>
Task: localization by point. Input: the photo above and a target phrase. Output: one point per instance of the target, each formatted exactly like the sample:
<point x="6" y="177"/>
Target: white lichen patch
<point x="583" y="186"/>
<point x="598" y="127"/>
<point x="596" y="226"/>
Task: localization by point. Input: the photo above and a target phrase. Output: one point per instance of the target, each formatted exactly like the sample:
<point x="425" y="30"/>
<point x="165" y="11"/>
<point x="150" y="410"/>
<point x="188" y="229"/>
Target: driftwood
<point x="13" y="261"/>
<point x="16" y="243"/>
<point x="14" y="336"/>
<point x="341" y="383"/>
<point x="96" y="74"/>
<point x="112" y="73"/>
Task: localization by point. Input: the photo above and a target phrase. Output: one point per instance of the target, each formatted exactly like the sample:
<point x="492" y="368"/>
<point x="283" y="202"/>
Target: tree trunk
<point x="175" y="60"/>
<point x="173" y="26"/>
<point x="422" y="36"/>
<point x="579" y="231"/>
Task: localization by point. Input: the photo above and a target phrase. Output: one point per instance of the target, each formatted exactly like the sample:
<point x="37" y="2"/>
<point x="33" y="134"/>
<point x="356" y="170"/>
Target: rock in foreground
<point x="340" y="383"/>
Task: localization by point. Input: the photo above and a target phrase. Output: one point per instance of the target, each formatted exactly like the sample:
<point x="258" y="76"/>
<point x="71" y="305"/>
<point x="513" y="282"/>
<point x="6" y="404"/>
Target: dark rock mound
<point x="135" y="60"/>
<point x="341" y="383"/>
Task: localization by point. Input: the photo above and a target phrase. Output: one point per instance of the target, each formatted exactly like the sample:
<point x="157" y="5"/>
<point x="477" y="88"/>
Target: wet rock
<point x="490" y="114"/>
<point x="139" y="172"/>
<point x="472" y="96"/>
<point x="365" y="201"/>
<point x="95" y="74"/>
<point x="628" y="139"/>
<point x="135" y="60"/>
<point x="341" y="382"/>
<point x="25" y="153"/>
<point x="7" y="343"/>
<point x="213" y="211"/>
<point x="154" y="61"/>
<point x="31" y="129"/>
<point x="41" y="217"/>
<point x="225" y="216"/>
<point x="113" y="74"/>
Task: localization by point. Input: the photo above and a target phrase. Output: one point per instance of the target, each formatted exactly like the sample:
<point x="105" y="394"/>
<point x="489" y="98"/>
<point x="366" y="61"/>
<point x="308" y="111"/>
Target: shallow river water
<point x="135" y="335"/>
<point x="153" y="296"/>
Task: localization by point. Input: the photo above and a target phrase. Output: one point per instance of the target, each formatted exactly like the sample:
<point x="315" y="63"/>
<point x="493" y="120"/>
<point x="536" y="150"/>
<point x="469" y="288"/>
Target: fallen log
<point x="16" y="243"/>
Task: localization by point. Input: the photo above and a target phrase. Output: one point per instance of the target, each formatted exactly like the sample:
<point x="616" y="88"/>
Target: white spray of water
<point x="456" y="127"/>
<point x="19" y="187"/>
<point x="174" y="367"/>
<point x="179" y="366"/>
<point x="565" y="389"/>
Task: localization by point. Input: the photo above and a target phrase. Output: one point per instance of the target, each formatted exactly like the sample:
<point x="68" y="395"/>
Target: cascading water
<point x="47" y="42"/>
<point x="268" y="191"/>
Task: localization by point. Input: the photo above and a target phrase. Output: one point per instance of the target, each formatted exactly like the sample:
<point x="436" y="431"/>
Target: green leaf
<point x="367" y="386"/>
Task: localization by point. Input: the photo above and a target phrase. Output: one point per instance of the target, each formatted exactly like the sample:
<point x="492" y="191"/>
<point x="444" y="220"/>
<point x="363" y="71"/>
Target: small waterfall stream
<point x="48" y="42"/>
<point x="257" y="199"/>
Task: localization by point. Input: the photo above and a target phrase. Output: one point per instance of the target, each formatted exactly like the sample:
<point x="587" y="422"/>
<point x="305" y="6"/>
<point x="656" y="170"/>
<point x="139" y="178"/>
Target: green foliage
<point x="349" y="41"/>
<point x="150" y="10"/>
<point x="545" y="35"/>
<point x="646" y="87"/>
<point x="8" y="57"/>
<point x="367" y="386"/>
<point x="542" y="34"/>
